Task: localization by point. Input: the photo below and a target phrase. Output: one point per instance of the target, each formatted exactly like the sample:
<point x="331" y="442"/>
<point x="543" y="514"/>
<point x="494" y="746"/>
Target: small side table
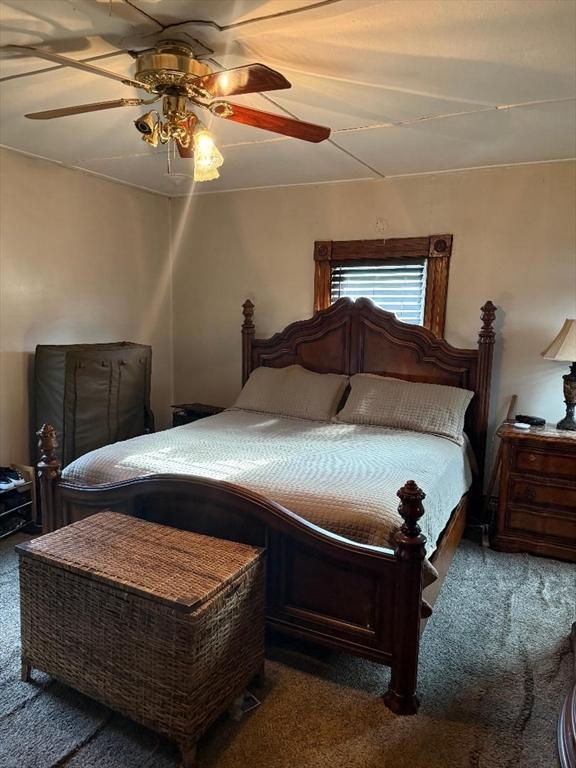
<point x="537" y="500"/>
<point x="18" y="508"/>
<point x="185" y="413"/>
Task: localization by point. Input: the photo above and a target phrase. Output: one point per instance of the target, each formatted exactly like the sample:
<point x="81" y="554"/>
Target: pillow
<point x="293" y="391"/>
<point x="386" y="402"/>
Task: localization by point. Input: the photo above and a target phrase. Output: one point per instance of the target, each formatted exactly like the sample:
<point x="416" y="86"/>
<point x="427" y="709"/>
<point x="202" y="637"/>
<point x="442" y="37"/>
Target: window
<point x="406" y="276"/>
<point x="397" y="286"/>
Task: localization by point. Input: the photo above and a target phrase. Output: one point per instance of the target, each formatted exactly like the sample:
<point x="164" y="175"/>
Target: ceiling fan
<point x="169" y="72"/>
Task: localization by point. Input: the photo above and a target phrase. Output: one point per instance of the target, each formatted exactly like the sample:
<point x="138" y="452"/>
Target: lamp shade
<point x="564" y="345"/>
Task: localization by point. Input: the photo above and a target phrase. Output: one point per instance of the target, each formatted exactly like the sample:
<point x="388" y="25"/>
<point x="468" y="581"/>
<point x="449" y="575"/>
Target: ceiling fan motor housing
<point x="169" y="67"/>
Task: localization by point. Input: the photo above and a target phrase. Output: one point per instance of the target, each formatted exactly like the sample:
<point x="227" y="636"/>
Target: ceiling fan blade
<point x="269" y="121"/>
<point x="250" y="79"/>
<point x="67" y="62"/>
<point x="49" y="114"/>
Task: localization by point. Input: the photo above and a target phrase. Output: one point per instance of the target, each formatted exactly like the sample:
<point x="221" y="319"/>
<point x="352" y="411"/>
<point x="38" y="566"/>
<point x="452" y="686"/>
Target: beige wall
<point x="514" y="243"/>
<point x="81" y="260"/>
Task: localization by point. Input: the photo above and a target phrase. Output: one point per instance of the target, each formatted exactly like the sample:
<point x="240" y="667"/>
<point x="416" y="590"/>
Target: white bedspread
<point x="342" y="477"/>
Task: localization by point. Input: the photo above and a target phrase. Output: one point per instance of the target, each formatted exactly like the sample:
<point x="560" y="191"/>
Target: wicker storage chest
<point x="162" y="625"/>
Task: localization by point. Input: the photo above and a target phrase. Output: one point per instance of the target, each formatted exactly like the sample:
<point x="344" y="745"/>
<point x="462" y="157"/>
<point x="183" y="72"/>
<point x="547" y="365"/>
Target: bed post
<point x="410" y="552"/>
<point x="248" y="330"/>
<point x="49" y="470"/>
<point x="486" y="339"/>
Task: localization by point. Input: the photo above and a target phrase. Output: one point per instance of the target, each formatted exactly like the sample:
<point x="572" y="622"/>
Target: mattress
<point x="342" y="477"/>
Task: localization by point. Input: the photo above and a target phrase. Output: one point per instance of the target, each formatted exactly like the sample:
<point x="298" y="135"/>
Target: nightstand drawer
<point x="542" y="493"/>
<point x="545" y="462"/>
<point x="559" y="526"/>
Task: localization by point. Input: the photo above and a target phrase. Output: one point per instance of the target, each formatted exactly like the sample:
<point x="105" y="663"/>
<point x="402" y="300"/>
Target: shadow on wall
<point x="32" y="440"/>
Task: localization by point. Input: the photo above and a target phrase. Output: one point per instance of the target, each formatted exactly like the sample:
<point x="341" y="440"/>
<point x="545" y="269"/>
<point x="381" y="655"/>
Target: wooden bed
<point x="362" y="599"/>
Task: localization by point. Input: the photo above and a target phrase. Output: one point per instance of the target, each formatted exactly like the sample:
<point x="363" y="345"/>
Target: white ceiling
<point x="407" y="86"/>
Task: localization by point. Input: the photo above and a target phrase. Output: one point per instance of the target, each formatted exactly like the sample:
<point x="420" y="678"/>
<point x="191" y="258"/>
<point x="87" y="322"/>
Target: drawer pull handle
<point x="531" y="457"/>
<point x="528" y="494"/>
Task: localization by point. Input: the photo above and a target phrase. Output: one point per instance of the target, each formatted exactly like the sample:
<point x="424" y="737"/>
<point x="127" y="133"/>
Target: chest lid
<point x="179" y="568"/>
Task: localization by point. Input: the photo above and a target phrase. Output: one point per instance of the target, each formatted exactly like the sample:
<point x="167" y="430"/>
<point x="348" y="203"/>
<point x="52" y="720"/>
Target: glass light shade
<point x="207" y="157"/>
<point x="205" y="174"/>
<point x="153" y="137"/>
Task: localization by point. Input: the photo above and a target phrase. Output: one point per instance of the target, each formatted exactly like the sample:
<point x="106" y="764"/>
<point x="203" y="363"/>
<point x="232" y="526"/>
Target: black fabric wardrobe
<point x="92" y="394"/>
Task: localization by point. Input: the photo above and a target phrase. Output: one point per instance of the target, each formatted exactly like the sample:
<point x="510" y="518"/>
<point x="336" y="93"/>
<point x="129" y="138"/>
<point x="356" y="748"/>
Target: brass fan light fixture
<point x="170" y="72"/>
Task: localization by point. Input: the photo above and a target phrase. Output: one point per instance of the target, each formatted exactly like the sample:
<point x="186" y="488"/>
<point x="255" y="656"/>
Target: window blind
<point x="398" y="287"/>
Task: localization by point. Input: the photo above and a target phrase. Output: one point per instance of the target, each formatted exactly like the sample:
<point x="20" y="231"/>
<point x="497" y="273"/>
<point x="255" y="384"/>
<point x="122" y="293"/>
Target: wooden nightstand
<point x="537" y="501"/>
<point x="188" y="412"/>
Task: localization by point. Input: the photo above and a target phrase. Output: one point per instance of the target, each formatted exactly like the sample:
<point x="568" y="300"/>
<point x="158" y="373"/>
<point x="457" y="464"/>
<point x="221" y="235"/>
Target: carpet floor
<point x="495" y="667"/>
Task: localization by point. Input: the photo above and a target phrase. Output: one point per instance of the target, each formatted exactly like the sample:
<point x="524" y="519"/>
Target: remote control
<point x="533" y="421"/>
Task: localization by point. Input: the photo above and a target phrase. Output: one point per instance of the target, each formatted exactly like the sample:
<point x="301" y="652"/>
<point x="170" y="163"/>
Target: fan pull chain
<point x="170" y="155"/>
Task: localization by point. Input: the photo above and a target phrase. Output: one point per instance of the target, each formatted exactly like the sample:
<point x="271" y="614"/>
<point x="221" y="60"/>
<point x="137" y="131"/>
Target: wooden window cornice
<point x="436" y="249"/>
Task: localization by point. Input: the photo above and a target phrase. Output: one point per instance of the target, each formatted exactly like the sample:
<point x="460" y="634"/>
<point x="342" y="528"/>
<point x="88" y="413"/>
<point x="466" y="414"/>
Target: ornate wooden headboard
<point x="357" y="337"/>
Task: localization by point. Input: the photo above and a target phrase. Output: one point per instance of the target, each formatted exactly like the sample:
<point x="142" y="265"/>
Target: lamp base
<point x="567" y="423"/>
<point x="570" y="399"/>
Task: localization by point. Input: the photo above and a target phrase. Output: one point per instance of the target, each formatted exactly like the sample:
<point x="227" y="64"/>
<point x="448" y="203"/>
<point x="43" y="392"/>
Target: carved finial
<point x="439" y="246"/>
<point x="48" y="443"/>
<point x="486" y="335"/>
<point x="248" y="312"/>
<point x="410" y="508"/>
<point x="248" y="333"/>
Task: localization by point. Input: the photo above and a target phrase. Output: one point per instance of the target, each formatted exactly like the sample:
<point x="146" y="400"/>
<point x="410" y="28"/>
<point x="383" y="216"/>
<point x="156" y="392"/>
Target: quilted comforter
<point x="342" y="477"/>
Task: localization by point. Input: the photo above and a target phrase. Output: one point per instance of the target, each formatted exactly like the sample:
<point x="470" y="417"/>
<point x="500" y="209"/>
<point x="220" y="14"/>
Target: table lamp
<point x="564" y="348"/>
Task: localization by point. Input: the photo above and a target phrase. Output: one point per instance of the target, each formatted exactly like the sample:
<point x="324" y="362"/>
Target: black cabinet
<point x="92" y="394"/>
